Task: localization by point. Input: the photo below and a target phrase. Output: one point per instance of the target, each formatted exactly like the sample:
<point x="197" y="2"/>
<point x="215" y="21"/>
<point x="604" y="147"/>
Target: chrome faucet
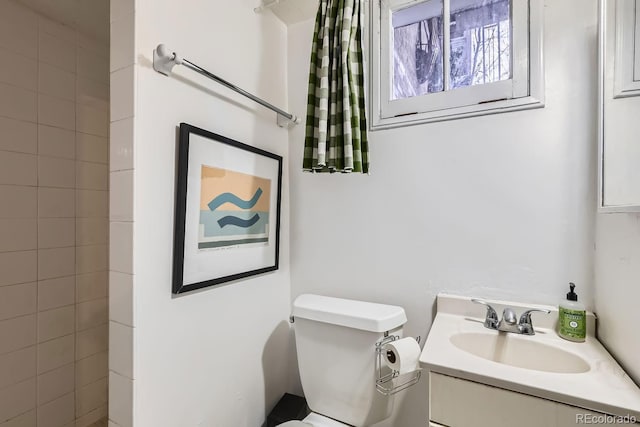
<point x="508" y="322"/>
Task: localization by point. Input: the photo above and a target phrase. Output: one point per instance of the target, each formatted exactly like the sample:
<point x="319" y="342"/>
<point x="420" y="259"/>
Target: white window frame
<point x="626" y="80"/>
<point x="524" y="90"/>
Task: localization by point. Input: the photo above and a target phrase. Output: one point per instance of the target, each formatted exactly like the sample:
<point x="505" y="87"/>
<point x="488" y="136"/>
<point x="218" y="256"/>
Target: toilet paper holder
<point x="384" y="382"/>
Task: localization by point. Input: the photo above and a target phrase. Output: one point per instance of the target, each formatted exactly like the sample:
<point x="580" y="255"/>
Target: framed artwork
<point x="227" y="222"/>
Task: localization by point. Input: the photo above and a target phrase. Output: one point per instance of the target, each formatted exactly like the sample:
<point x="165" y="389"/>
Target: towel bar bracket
<point x="164" y="60"/>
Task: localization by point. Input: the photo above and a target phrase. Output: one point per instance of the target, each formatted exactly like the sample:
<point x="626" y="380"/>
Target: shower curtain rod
<point x="164" y="60"/>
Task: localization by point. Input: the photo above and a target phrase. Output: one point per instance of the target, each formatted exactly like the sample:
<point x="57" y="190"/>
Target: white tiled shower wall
<point x="54" y="151"/>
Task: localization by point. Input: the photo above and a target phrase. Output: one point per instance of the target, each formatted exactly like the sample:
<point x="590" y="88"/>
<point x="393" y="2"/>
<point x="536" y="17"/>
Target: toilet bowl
<point x="335" y="343"/>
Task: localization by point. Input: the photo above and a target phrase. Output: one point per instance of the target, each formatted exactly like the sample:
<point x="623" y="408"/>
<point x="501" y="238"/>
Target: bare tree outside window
<point x="480" y="46"/>
<point x="418" y="51"/>
<point x="480" y="42"/>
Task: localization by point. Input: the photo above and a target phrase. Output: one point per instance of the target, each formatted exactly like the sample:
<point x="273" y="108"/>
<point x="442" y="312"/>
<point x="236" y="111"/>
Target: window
<point x="442" y="59"/>
<point x="627" y="56"/>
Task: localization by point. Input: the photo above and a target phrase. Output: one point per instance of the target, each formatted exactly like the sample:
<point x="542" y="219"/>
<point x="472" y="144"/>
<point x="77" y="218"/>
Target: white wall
<point x="617" y="287"/>
<point x="216" y="357"/>
<point x="499" y="205"/>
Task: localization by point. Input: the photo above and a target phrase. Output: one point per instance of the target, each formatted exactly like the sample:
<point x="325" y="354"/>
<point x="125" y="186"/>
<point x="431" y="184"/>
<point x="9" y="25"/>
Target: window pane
<point x="417" y="50"/>
<point x="480" y="41"/>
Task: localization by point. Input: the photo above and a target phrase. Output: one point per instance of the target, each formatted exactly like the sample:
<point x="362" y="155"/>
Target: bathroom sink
<point x="543" y="365"/>
<point x="521" y="352"/>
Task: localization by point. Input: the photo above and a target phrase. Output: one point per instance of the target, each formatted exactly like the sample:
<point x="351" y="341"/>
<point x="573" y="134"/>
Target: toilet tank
<point x="335" y="341"/>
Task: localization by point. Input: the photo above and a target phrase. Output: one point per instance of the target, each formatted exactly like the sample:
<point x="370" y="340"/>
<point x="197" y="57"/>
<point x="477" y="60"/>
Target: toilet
<point x="335" y="342"/>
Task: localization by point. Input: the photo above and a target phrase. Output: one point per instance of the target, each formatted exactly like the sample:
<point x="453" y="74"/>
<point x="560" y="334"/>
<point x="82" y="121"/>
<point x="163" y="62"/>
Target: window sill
<point x="508" y="105"/>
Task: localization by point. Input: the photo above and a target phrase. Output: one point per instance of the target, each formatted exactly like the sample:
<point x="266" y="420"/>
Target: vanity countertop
<point x="604" y="387"/>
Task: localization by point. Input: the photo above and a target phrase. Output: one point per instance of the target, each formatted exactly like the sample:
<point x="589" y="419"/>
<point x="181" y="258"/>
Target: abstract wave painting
<point x="234" y="209"/>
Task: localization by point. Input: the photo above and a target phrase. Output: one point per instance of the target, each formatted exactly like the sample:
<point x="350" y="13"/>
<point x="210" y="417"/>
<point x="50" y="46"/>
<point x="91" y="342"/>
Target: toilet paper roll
<point x="402" y="355"/>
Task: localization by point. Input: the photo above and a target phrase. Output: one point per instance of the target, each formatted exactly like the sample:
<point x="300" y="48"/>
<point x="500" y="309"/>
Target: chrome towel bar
<point x="164" y="60"/>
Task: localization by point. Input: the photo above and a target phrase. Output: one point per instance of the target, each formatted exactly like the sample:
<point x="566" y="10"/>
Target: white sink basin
<point x="521" y="352"/>
<point x="544" y="365"/>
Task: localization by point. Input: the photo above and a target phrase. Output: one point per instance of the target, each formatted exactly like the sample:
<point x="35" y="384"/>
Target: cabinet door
<point x="460" y="403"/>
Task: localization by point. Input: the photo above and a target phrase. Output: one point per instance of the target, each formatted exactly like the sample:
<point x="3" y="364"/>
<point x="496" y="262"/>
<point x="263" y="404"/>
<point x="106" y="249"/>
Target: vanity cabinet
<point x="454" y="402"/>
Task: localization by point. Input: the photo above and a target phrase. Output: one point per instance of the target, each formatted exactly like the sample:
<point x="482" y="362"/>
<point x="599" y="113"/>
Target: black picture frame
<point x="201" y="260"/>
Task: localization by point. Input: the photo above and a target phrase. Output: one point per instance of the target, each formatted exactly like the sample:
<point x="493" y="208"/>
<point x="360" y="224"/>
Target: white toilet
<point x="336" y="340"/>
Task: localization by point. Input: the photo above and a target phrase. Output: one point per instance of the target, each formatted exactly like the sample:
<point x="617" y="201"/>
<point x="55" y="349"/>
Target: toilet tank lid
<point x="367" y="316"/>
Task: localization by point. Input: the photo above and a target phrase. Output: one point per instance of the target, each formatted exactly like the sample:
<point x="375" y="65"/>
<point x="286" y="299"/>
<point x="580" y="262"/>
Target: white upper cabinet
<point x="619" y="118"/>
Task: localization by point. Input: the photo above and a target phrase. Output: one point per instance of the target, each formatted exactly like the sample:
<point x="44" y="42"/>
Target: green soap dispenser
<point x="572" y="318"/>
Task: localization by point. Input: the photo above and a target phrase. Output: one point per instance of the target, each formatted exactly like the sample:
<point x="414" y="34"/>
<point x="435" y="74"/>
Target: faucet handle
<point x="491" y="318"/>
<point x="525" y="324"/>
<point x="509" y="316"/>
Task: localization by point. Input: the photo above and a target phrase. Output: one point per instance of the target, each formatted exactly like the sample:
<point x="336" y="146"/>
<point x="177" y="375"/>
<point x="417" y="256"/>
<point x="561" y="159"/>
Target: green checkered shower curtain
<point x="336" y="131"/>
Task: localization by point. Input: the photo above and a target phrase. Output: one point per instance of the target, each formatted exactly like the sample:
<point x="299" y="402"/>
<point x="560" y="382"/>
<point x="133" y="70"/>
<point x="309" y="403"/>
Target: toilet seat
<point x="294" y="424"/>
